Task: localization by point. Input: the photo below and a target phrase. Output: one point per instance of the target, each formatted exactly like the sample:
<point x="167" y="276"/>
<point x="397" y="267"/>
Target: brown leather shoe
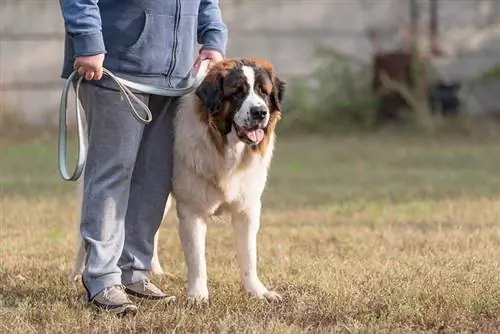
<point x="114" y="300"/>
<point x="146" y="290"/>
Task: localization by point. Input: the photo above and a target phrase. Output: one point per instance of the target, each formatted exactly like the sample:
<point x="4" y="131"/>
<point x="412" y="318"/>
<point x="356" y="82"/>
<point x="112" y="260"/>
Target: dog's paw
<point x="157" y="271"/>
<point x="198" y="300"/>
<point x="156" y="268"/>
<point x="74" y="277"/>
<point x="259" y="290"/>
<point x="271" y="296"/>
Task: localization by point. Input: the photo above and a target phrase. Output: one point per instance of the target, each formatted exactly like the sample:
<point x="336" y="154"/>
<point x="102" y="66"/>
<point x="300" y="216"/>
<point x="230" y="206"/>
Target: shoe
<point x="114" y="299"/>
<point x="146" y="290"/>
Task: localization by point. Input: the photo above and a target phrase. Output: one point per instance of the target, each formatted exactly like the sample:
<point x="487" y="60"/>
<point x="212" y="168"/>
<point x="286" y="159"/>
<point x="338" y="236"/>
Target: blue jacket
<point x="147" y="41"/>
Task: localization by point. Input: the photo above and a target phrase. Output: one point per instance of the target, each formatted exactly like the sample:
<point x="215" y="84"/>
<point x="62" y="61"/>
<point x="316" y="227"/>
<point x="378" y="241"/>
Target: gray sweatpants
<point x="126" y="183"/>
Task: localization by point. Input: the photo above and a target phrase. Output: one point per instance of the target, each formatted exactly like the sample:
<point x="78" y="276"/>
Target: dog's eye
<point x="240" y="92"/>
<point x="234" y="93"/>
<point x="262" y="91"/>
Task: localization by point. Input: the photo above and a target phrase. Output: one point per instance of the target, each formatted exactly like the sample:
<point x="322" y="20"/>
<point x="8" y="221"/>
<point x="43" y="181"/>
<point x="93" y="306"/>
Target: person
<point x="127" y="176"/>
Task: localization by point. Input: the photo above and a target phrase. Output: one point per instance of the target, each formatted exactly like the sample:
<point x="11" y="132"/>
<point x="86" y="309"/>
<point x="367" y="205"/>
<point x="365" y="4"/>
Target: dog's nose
<point x="258" y="112"/>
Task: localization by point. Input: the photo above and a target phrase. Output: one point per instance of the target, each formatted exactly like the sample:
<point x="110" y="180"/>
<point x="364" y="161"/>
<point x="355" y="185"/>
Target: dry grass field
<point x="361" y="234"/>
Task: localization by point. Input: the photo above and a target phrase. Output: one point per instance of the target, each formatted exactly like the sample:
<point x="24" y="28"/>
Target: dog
<point x="224" y="141"/>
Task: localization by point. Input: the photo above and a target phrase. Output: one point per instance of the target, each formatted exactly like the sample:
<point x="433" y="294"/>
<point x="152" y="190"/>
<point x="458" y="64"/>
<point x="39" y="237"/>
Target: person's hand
<point x="89" y="67"/>
<point x="212" y="55"/>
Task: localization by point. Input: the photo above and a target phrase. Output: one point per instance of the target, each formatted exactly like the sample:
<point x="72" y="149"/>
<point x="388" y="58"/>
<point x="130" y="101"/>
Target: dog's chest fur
<point x="213" y="180"/>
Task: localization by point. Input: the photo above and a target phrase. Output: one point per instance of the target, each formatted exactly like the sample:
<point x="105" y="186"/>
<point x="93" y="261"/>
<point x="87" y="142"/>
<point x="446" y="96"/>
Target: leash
<point x="124" y="87"/>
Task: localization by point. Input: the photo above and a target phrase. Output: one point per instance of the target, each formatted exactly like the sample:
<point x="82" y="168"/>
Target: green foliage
<point x="492" y="74"/>
<point x="337" y="96"/>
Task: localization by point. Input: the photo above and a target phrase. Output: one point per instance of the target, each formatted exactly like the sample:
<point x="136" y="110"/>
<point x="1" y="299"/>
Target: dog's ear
<point x="278" y="93"/>
<point x="210" y="93"/>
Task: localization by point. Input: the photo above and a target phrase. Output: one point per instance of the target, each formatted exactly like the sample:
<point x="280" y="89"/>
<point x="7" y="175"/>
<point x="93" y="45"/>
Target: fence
<point x="286" y="32"/>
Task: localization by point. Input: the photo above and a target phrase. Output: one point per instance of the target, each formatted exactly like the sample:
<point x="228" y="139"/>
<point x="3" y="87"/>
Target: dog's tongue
<point x="255" y="135"/>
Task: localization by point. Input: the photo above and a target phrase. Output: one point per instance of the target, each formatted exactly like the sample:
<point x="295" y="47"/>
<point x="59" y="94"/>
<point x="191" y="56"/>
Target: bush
<point x="337" y="95"/>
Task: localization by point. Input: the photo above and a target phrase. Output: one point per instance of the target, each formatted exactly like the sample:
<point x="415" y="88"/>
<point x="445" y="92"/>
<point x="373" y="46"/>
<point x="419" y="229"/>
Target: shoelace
<point x="111" y="288"/>
<point x="147" y="285"/>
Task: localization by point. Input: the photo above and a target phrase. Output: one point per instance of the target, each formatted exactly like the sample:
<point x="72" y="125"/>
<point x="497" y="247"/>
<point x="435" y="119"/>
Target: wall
<point x="286" y="32"/>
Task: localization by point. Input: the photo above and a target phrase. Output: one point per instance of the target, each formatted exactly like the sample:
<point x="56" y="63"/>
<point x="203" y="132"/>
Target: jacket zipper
<point x="174" y="47"/>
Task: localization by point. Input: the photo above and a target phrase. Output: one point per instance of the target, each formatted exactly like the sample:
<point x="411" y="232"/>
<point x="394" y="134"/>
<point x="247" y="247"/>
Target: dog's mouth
<point x="251" y="136"/>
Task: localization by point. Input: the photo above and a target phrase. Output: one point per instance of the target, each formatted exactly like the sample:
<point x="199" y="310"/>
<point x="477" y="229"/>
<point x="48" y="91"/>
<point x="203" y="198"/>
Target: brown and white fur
<point x="224" y="141"/>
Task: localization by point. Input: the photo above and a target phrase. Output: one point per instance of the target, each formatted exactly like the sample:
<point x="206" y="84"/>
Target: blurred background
<point x="333" y="52"/>
<point x="385" y="174"/>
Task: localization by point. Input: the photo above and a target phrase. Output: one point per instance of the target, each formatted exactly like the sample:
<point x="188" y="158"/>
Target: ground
<point x="360" y="233"/>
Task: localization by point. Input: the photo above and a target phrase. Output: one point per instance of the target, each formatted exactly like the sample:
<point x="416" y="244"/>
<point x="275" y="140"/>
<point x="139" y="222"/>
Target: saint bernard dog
<point x="224" y="141"/>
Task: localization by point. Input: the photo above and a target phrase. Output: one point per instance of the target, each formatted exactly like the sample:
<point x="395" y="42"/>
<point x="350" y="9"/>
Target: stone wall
<point x="285" y="31"/>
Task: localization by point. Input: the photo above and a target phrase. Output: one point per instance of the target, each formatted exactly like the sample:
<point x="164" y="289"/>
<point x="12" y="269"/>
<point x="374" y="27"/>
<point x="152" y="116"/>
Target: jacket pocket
<point x="152" y="51"/>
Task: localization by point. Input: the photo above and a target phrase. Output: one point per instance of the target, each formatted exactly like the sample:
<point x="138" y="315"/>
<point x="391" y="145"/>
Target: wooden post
<point x="435" y="49"/>
<point x="414" y="20"/>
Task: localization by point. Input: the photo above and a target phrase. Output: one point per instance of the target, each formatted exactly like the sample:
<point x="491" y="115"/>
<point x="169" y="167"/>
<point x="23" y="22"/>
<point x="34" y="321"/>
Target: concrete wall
<point x="286" y="32"/>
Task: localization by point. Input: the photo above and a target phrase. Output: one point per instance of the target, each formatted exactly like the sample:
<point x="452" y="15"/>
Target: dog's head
<point x="244" y="96"/>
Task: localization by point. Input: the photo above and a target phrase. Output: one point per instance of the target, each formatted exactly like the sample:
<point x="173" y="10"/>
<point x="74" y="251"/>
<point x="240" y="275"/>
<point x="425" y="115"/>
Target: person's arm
<point x="212" y="31"/>
<point x="82" y="21"/>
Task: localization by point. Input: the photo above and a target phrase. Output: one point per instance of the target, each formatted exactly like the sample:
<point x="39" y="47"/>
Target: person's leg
<point x="114" y="140"/>
<point x="151" y="184"/>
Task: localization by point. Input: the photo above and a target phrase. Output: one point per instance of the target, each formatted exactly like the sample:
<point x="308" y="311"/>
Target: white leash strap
<point x="81" y="121"/>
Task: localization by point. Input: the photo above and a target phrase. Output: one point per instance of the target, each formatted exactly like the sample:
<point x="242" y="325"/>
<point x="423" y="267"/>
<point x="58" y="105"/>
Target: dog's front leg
<point x="246" y="225"/>
<point x="192" y="233"/>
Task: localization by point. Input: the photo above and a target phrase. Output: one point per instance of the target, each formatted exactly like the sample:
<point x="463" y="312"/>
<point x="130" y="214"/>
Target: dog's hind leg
<point x="156" y="268"/>
<point x="79" y="263"/>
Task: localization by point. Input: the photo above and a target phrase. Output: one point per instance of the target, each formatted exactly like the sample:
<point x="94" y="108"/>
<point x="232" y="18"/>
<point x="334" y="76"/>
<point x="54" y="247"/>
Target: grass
<point x="367" y="233"/>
